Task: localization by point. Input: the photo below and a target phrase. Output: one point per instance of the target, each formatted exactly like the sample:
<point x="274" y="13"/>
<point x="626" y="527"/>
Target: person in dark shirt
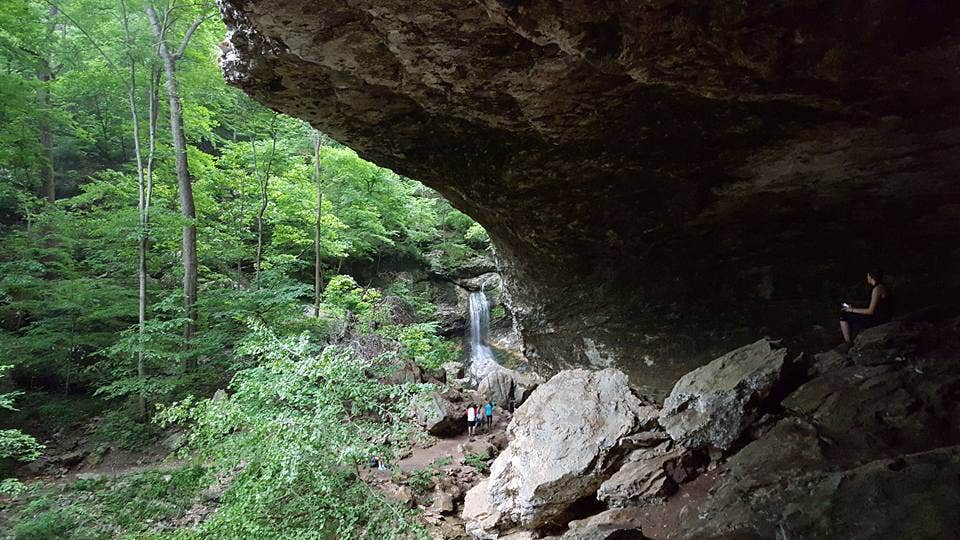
<point x="854" y="320"/>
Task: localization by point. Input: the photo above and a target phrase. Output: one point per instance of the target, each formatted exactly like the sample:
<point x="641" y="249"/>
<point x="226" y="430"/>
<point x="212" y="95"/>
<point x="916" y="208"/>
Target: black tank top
<point x="883" y="311"/>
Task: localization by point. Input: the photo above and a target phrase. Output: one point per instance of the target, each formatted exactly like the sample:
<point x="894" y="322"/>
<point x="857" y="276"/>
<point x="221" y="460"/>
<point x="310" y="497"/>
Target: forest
<point x="178" y="262"/>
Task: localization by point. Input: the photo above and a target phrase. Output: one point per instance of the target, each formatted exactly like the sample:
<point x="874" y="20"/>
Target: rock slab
<point x="568" y="437"/>
<point x="712" y="405"/>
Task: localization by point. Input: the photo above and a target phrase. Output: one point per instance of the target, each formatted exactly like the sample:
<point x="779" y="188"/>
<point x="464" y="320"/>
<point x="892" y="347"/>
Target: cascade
<point x="482" y="360"/>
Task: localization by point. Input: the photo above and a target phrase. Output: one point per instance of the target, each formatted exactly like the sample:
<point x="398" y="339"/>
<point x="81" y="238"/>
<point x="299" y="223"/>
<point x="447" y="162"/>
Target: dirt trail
<point x="423" y="457"/>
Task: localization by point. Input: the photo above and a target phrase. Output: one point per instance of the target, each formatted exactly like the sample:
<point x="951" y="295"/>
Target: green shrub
<point x="479" y="462"/>
<point x="53" y="524"/>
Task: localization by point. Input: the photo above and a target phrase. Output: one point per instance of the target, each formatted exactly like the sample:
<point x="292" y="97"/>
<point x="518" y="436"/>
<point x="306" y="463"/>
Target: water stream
<point x="482" y="360"/>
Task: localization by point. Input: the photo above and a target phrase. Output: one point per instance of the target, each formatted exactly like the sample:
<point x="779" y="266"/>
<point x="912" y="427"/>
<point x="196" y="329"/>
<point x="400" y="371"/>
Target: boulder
<point x="500" y="385"/>
<point x="439" y="416"/>
<point x="903" y="497"/>
<point x="713" y="404"/>
<point x="486" y="282"/>
<point x="643" y="478"/>
<point x="615" y="524"/>
<point x="480" y="448"/>
<point x="399" y="495"/>
<point x="480" y="516"/>
<point x="454" y="370"/>
<point x="442" y="502"/>
<point x="872" y="411"/>
<point x="568" y="438"/>
<point x="408" y="372"/>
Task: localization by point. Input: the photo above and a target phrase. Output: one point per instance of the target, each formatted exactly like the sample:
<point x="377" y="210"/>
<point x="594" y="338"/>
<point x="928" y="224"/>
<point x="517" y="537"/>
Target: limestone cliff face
<point x="661" y="178"/>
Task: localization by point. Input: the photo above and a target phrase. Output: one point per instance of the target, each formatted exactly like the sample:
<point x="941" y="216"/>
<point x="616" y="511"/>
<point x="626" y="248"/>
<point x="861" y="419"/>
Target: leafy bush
<point x="109" y="508"/>
<point x="421" y="344"/>
<point x="477" y="236"/>
<point x="479" y="462"/>
<point x="342" y="293"/>
<point x="122" y="428"/>
<point x="422" y="480"/>
<point x="332" y="412"/>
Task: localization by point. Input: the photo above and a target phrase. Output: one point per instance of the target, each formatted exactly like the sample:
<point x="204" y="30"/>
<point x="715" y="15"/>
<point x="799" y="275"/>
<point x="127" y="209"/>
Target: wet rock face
<point x="661" y="179"/>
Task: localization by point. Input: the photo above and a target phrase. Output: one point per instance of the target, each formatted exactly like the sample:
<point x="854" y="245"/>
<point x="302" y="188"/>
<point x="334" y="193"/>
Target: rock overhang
<point x="661" y="180"/>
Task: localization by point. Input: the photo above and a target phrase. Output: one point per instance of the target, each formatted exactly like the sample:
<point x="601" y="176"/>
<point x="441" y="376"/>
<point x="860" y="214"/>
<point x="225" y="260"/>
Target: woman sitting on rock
<point x="853" y="320"/>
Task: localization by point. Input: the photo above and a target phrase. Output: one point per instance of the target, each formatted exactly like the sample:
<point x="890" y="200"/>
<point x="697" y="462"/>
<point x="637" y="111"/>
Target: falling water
<point x="482" y="360"/>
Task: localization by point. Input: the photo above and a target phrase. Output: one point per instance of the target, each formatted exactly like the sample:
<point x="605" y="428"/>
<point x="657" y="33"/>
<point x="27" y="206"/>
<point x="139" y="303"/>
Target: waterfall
<point x="482" y="360"/>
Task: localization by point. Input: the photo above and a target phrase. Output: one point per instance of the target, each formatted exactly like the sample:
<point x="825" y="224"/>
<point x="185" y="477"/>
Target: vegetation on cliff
<point x="302" y="305"/>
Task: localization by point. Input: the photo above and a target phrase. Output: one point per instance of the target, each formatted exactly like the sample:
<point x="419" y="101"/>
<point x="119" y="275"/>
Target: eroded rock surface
<point x="712" y="405"/>
<point x="569" y="436"/>
<point x="663" y="180"/>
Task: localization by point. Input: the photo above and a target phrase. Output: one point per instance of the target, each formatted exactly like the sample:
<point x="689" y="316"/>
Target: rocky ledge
<point x="662" y="179"/>
<point x="756" y="444"/>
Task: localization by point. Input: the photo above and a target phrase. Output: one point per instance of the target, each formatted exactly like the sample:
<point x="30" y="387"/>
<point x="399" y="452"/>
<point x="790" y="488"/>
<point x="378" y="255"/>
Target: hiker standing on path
<point x="488" y="413"/>
<point x="471" y="420"/>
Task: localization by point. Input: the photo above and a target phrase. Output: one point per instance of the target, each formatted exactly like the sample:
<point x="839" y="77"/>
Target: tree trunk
<point x="144" y="194"/>
<point x="317" y="280"/>
<point x="184" y="184"/>
<point x="264" y="179"/>
<point x="45" y="75"/>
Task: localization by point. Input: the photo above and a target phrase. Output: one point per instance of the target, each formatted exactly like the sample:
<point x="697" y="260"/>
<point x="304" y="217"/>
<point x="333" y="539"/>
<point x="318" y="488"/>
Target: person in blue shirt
<point x="488" y="413"/>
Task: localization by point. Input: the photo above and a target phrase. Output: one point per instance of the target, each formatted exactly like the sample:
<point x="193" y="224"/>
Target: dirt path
<point x="423" y="457"/>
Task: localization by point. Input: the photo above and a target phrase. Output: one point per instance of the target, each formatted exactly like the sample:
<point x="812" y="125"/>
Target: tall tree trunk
<point x="45" y="75"/>
<point x="317" y="280"/>
<point x="144" y="194"/>
<point x="264" y="179"/>
<point x="184" y="184"/>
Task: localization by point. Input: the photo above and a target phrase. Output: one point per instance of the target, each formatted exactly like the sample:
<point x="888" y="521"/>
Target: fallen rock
<point x="502" y="385"/>
<point x="480" y="448"/>
<point x="891" y="342"/>
<point x="399" y="495"/>
<point x="454" y="370"/>
<point x="615" y="524"/>
<point x="480" y="516"/>
<point x="567" y="440"/>
<point x="69" y="459"/>
<point x="439" y="416"/>
<point x="903" y="497"/>
<point x="442" y="502"/>
<point x="713" y="404"/>
<point x="408" y="372"/>
<point x="867" y="412"/>
<point x="643" y="478"/>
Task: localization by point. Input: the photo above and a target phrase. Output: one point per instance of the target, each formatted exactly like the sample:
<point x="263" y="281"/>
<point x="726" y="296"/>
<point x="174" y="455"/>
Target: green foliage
<point x="69" y="288"/>
<point x="479" y="462"/>
<point x="343" y="294"/>
<point x="122" y="429"/>
<point x="333" y="413"/>
<point x="14" y="444"/>
<point x="422" y="345"/>
<point x="101" y="508"/>
<point x="422" y="480"/>
<point x="497" y="312"/>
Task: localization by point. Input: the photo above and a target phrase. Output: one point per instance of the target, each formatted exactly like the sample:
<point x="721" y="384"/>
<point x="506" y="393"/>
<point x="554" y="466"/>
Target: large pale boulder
<point x="480" y="516"/>
<point x="713" y="404"/>
<point x="568" y="437"/>
<point x="502" y="385"/>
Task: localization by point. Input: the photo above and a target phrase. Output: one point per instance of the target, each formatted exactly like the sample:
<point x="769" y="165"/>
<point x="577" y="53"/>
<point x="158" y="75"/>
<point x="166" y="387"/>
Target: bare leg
<point x="845" y="330"/>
